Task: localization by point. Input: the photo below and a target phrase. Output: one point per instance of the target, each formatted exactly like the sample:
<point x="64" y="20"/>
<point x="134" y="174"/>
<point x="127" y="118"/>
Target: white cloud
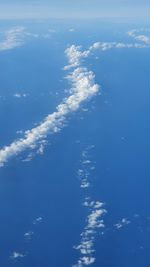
<point x="71" y="30"/>
<point x="93" y="221"/>
<point x="19" y="95"/>
<point x="136" y="34"/>
<point x="86" y="246"/>
<point x="28" y="235"/>
<point x="104" y="46"/>
<point x="84" y="171"/>
<point x="41" y="148"/>
<point x="14" y="38"/>
<point x="88" y="204"/>
<point x="83" y="175"/>
<point x="84" y="183"/>
<point x="85" y="261"/>
<point x="144" y="38"/>
<point x="19" y="132"/>
<point x="83" y="88"/>
<point x="75" y="55"/>
<point x="93" y="204"/>
<point x="28" y="158"/>
<point x="122" y="223"/>
<point x="16" y="255"/>
<point x="38" y="220"/>
<point x="86" y="161"/>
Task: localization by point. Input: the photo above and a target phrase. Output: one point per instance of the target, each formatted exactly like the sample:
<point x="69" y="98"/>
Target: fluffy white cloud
<point x="83" y="87"/>
<point x="74" y="55"/>
<point x="93" y="220"/>
<point x="86" y="246"/>
<point x="85" y="183"/>
<point x="85" y="261"/>
<point x="82" y="83"/>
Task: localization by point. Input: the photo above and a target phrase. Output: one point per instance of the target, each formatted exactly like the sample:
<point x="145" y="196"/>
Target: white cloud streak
<point x="83" y="88"/>
<point x="104" y="46"/>
<point x="93" y="222"/>
<point x="94" y="218"/>
<point x="14" y="38"/>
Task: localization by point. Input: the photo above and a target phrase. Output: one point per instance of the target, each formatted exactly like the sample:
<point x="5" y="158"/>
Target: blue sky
<point x="74" y="9"/>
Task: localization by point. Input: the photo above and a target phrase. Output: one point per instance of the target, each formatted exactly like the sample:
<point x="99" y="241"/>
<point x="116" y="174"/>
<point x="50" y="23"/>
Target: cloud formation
<point x="142" y="35"/>
<point x="75" y="55"/>
<point x="14" y="38"/>
<point x="16" y="255"/>
<point x="38" y="220"/>
<point x="28" y="235"/>
<point x="122" y="223"/>
<point x="93" y="220"/>
<point x="104" y="46"/>
<point x="83" y="87"/>
<point x="19" y="95"/>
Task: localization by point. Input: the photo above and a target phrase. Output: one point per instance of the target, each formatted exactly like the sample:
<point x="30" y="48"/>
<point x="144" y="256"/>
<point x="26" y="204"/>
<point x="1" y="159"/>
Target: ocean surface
<point x="41" y="200"/>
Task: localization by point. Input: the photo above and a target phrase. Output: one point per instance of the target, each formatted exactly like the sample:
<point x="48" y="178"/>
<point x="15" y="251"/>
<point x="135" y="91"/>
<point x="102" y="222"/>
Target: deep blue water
<point x="117" y="123"/>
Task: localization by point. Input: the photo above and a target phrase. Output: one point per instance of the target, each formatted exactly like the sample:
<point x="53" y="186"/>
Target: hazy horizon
<point x="36" y="9"/>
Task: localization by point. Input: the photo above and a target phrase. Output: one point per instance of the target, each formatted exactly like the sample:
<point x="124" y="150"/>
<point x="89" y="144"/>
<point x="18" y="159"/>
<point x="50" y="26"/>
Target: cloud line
<point x="95" y="212"/>
<point x="83" y="87"/>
